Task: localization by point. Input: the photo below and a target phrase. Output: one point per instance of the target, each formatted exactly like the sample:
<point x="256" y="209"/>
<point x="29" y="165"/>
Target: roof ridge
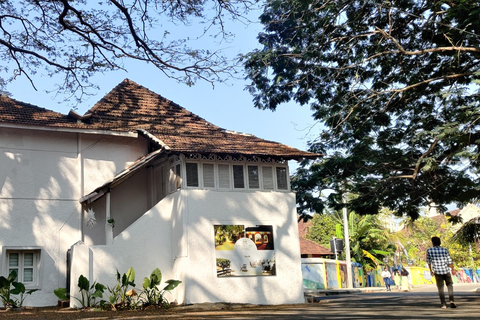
<point x="128" y="82"/>
<point x="130" y="107"/>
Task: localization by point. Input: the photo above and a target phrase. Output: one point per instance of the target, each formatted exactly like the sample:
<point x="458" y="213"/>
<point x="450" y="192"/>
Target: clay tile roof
<point x="454" y="212"/>
<point x="309" y="248"/>
<point x="130" y="107"/>
<point x="313" y="249"/>
<point x="16" y="112"/>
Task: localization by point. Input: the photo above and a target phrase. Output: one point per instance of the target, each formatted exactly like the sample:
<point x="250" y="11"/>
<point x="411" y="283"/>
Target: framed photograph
<point x="244" y="250"/>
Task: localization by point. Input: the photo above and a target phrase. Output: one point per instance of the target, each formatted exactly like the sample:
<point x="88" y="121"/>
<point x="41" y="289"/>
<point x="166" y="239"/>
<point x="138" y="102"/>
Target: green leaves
<point x="395" y="88"/>
<point x="120" y="296"/>
<point x="83" y="283"/>
<point x="6" y="291"/>
<point x="61" y="293"/>
<point x="172" y="284"/>
<point x="154" y="280"/>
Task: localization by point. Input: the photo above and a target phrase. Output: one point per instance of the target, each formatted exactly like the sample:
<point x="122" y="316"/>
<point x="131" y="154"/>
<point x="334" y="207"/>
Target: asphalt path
<point x="420" y="303"/>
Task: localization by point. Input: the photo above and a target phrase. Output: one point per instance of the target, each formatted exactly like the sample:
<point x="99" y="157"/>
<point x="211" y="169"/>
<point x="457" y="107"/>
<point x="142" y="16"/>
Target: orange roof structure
<point x="130" y="107"/>
<point x="309" y="248"/>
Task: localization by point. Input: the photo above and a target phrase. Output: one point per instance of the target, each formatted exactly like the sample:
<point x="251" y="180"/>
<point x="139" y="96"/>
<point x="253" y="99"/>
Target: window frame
<point x="259" y="176"/>
<point x="37" y="264"/>
<point x="230" y="176"/>
<point x="276" y="178"/>
<point x="202" y="174"/>
<point x="199" y="181"/>
<point x="229" y="163"/>
<point x="244" y="178"/>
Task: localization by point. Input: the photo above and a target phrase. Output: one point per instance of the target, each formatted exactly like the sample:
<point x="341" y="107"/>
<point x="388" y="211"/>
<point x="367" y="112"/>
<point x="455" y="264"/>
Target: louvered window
<point x="267" y="178"/>
<point x="208" y="175"/>
<point x="253" y="181"/>
<point x="192" y="174"/>
<point x="282" y="183"/>
<point x="224" y="176"/>
<point x="238" y="177"/>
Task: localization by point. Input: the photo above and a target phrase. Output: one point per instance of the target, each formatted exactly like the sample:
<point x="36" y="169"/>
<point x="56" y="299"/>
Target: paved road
<point x="422" y="303"/>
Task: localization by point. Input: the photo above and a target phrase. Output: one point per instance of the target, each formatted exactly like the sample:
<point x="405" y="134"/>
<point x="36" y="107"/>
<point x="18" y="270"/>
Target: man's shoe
<point x="453" y="305"/>
<point x="444" y="306"/>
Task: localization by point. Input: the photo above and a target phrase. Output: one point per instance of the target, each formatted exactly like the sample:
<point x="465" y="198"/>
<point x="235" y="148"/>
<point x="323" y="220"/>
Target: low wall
<point x="322" y="274"/>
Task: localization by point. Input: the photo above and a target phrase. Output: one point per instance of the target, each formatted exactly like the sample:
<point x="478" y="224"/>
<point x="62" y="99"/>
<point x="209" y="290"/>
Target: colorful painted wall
<point x="330" y="274"/>
<point x="320" y="274"/>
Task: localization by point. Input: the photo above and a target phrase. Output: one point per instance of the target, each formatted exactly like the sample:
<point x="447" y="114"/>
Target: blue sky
<point x="226" y="105"/>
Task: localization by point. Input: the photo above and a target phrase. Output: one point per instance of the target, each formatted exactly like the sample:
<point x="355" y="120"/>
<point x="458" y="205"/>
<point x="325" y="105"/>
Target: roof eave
<point x="129" y="134"/>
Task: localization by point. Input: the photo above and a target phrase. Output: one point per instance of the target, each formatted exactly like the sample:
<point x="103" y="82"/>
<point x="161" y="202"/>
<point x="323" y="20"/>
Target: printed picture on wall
<point x="244" y="250"/>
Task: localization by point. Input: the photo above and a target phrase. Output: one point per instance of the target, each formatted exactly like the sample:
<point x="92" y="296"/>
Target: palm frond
<point x="469" y="232"/>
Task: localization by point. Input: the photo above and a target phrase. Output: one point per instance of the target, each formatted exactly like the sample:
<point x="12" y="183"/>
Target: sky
<point x="228" y="105"/>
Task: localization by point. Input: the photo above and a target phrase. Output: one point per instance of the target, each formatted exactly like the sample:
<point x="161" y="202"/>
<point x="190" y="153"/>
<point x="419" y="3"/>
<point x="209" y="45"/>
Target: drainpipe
<point x="108" y="227"/>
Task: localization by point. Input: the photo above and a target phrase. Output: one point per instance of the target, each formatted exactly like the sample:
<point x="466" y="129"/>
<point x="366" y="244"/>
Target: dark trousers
<point x="442" y="280"/>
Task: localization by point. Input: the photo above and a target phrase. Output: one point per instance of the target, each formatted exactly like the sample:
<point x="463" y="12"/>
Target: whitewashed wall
<point x="177" y="236"/>
<point x="208" y="208"/>
<point x="39" y="203"/>
<point x="144" y="245"/>
<point x="40" y="185"/>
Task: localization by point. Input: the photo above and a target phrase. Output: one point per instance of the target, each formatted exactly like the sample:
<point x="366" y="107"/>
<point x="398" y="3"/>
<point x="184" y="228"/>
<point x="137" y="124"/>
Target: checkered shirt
<point x="439" y="258"/>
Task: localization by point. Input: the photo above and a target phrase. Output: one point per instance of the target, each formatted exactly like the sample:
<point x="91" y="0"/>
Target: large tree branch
<point x="419" y="52"/>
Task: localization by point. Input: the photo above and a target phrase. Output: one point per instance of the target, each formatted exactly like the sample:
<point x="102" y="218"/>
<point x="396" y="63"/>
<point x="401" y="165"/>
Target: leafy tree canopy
<point x="323" y="229"/>
<point x="395" y="85"/>
<point x="417" y="239"/>
<point x="78" y="38"/>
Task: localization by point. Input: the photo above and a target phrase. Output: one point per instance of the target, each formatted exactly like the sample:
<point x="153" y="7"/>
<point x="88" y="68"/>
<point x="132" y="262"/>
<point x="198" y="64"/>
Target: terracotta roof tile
<point x="129" y="107"/>
<point x="310" y="248"/>
<point x="303" y="227"/>
<point x="16" y="112"/>
<point x="454" y="212"/>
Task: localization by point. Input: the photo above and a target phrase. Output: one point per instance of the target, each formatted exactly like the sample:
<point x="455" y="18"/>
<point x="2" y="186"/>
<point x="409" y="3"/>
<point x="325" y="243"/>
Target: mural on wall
<point x="312" y="274"/>
<point x="244" y="250"/>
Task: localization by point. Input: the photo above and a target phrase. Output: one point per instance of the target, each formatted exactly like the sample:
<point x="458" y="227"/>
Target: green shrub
<point x="9" y="288"/>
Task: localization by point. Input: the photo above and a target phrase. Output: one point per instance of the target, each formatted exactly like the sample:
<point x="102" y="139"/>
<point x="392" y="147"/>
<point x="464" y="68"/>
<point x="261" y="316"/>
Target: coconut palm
<point x="369" y="242"/>
<point x="469" y="232"/>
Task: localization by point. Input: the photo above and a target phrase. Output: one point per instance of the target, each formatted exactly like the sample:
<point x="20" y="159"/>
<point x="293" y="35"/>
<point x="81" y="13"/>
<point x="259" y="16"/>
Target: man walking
<point x="441" y="264"/>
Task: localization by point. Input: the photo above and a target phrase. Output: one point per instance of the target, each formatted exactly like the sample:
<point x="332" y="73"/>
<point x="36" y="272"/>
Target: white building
<point x="140" y="182"/>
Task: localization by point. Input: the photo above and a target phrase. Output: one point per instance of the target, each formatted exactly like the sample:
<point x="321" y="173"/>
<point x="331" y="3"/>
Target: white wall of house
<point x="41" y="181"/>
<point x="39" y="207"/>
<point x="209" y="208"/>
<point x="45" y="172"/>
<point x="177" y="236"/>
<point x="105" y="156"/>
<point x="144" y="245"/>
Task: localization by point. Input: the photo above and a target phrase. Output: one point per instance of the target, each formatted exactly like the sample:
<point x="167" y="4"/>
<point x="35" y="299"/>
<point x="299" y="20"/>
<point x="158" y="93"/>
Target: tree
<point x="395" y="86"/>
<point x="78" y="39"/>
<point x="469" y="232"/>
<point x="416" y="238"/>
<point x="369" y="241"/>
<point x="324" y="228"/>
